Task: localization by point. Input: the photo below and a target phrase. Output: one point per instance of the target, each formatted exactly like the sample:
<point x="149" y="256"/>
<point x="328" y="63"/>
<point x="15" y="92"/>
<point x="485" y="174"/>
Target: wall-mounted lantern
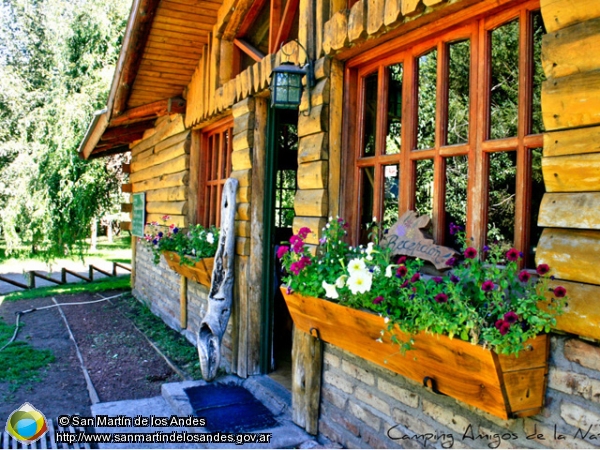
<point x="286" y="83"/>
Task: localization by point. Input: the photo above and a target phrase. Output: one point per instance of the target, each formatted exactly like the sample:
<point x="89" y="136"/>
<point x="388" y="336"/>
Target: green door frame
<point x="266" y="311"/>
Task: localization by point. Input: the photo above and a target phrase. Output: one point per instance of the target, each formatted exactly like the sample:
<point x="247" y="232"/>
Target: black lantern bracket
<point x="286" y="82"/>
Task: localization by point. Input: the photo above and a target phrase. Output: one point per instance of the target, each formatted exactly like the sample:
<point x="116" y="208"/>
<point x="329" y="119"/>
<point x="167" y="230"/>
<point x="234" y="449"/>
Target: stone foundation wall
<point x="158" y="287"/>
<point x="364" y="405"/>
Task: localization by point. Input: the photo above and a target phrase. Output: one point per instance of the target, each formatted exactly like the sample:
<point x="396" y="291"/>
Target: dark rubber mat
<point x="229" y="408"/>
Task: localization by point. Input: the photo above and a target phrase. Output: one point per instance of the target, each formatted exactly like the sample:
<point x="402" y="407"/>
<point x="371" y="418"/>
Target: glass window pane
<point x="504" y="84"/>
<point x="391" y="176"/>
<point x="367" y="199"/>
<point x="457" y="178"/>
<point x="394" y="125"/>
<point x="458" y="92"/>
<point x="537" y="125"/>
<point x="427" y="99"/>
<point x="424" y="190"/>
<point x="501" y="200"/>
<point x="370" y="114"/>
<point x="537" y="192"/>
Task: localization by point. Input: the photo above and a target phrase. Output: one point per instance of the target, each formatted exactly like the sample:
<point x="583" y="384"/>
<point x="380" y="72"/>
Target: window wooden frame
<point x="407" y="49"/>
<point x="214" y="169"/>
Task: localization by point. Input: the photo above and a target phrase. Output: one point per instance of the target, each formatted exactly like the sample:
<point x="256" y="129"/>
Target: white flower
<point x="369" y="251"/>
<point x="374" y="218"/>
<point x="388" y="271"/>
<point x="360" y="282"/>
<point x="386" y="320"/>
<point x="330" y="290"/>
<point x="356" y="265"/>
<point x="379" y="340"/>
<point x="341" y="281"/>
<point x="210" y="238"/>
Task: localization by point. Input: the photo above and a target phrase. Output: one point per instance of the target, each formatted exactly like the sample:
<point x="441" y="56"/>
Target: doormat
<point x="229" y="408"/>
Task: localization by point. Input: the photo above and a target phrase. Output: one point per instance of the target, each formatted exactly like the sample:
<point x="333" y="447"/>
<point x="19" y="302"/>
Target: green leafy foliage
<point x="191" y="245"/>
<point x="485" y="298"/>
<point x="56" y="63"/>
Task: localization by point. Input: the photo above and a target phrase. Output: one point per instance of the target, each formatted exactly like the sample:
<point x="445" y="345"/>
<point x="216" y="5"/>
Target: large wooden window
<point x="450" y="125"/>
<point x="215" y="167"/>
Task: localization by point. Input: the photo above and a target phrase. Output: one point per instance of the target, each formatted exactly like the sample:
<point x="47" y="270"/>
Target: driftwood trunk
<point x="220" y="296"/>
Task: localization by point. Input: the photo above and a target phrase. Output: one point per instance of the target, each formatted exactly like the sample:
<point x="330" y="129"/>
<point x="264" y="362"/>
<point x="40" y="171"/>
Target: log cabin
<point x="485" y="112"/>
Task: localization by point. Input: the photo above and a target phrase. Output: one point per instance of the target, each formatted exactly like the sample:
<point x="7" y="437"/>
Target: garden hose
<point x="20" y="313"/>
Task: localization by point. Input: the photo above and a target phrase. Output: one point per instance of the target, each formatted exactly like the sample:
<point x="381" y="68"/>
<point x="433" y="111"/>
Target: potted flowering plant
<point x="487" y="301"/>
<point x="189" y="252"/>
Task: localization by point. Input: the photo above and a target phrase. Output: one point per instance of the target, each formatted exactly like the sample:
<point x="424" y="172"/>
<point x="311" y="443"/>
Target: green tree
<point x="57" y="58"/>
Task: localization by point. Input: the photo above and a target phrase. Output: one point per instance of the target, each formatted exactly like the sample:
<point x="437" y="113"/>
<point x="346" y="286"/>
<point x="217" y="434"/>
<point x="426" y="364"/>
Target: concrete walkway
<point x="174" y="402"/>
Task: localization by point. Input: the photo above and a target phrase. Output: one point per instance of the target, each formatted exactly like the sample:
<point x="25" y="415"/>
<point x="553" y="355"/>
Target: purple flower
<point x="560" y="292"/>
<point x="512" y="254"/>
<point x="451" y="262"/>
<point x="511" y="317"/>
<point x="438" y="280"/>
<point x="524" y="276"/>
<point x="486" y="248"/>
<point x="282" y="251"/>
<point x="160" y="234"/>
<point x="155" y="241"/>
<point x="415" y="277"/>
<point x="487" y="286"/>
<point x="175" y="230"/>
<point x="401" y="271"/>
<point x="470" y="253"/>
<point x="543" y="269"/>
<point x="441" y="298"/>
<point x="378" y="300"/>
<point x="454" y="278"/>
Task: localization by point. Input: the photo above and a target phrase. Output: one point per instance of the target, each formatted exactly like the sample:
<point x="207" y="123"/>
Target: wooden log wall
<point x="160" y="167"/>
<point x="571" y="163"/>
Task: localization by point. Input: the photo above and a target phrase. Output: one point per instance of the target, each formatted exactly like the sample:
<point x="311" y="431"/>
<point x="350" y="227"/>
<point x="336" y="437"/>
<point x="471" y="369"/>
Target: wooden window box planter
<point x="504" y="386"/>
<point x="200" y="272"/>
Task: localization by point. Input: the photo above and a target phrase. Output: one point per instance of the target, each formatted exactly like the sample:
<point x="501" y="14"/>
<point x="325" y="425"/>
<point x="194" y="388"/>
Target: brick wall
<point x="158" y="287"/>
<point x="364" y="405"/>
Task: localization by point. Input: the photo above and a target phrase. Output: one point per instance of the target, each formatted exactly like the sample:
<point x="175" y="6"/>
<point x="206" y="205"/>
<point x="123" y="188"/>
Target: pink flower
<point x="543" y="269"/>
<point x="401" y="260"/>
<point x="441" y="298"/>
<point x="296" y="267"/>
<point x="560" y="292"/>
<point x="512" y="254"/>
<point x="282" y="251"/>
<point x="487" y="286"/>
<point x="304" y="232"/>
<point x="415" y="277"/>
<point x="166" y="217"/>
<point x="470" y="253"/>
<point x="378" y="300"/>
<point x="524" y="276"/>
<point x="306" y="261"/>
<point x="511" y="317"/>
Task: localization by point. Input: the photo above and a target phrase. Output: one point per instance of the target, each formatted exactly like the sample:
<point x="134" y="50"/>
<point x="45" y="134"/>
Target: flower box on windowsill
<point x="505" y="386"/>
<point x="200" y="272"/>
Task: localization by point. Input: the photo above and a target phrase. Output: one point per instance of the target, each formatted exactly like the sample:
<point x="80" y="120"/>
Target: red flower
<point x="378" y="300"/>
<point x="560" y="292"/>
<point x="487" y="286"/>
<point x="282" y="251"/>
<point x="401" y="260"/>
<point x="470" y="253"/>
<point x="512" y="254"/>
<point x="415" y="277"/>
<point x="511" y="317"/>
<point x="502" y="326"/>
<point x="441" y="298"/>
<point x="543" y="269"/>
<point x="524" y="276"/>
<point x="401" y="271"/>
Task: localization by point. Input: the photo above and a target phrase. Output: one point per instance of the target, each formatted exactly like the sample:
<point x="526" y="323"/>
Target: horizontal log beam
<point x="575" y="173"/>
<point x="149" y="111"/>
<point x="566" y="210"/>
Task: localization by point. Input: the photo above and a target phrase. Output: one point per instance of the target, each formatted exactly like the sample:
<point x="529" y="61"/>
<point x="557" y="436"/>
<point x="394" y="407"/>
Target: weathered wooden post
<point x="220" y="296"/>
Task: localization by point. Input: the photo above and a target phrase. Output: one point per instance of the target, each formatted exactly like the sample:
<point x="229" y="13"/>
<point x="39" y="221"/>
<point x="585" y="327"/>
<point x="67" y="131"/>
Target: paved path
<point x="17" y="270"/>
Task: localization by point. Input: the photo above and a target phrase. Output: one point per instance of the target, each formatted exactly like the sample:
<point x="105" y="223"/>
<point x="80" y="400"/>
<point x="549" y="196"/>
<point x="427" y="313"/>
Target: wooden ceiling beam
<point x="274" y="24"/>
<point x="287" y="21"/>
<point x="249" y="49"/>
<point x="147" y="112"/>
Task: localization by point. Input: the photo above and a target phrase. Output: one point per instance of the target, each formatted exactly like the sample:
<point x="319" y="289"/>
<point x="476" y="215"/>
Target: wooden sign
<point x="138" y="221"/>
<point x="407" y="237"/>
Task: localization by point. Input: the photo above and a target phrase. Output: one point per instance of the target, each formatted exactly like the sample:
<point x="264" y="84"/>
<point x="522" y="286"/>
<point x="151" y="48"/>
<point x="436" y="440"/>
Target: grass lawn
<point x="118" y="251"/>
